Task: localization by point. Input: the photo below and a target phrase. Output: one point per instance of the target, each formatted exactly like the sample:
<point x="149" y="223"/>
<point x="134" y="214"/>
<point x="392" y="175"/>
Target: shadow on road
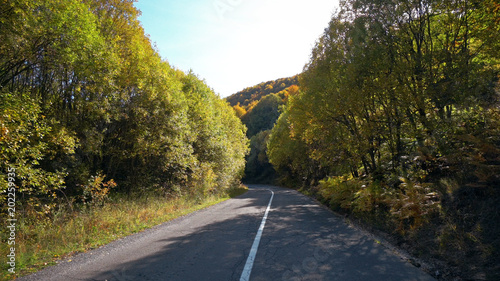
<point x="301" y="241"/>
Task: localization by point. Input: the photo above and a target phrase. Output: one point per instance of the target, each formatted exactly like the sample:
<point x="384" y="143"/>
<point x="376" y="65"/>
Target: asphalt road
<point x="300" y="241"/>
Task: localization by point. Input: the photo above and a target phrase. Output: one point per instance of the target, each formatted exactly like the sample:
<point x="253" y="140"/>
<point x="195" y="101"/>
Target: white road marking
<point x="245" y="275"/>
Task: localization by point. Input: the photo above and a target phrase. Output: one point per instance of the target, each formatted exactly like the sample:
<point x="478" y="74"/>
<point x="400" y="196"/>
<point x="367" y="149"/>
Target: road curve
<point x="301" y="240"/>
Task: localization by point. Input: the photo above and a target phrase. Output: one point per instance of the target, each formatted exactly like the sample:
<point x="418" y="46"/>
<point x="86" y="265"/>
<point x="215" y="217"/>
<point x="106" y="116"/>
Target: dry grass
<point x="41" y="242"/>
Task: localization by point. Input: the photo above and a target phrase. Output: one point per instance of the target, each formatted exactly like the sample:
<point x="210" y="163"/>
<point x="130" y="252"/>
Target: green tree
<point x="27" y="140"/>
<point x="220" y="144"/>
<point x="258" y="168"/>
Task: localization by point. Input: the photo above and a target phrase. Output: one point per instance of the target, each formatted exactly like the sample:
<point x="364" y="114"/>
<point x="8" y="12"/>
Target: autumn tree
<point x="263" y="115"/>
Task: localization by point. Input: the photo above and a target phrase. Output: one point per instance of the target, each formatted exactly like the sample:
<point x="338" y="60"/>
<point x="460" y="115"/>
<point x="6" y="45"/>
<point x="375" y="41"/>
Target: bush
<point x="339" y="192"/>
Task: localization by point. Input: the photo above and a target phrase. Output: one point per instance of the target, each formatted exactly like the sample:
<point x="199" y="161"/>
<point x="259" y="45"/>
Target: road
<point x="300" y="240"/>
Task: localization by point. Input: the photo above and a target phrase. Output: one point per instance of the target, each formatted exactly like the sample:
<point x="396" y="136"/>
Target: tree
<point x="263" y="115"/>
<point x="239" y="111"/>
<point x="389" y="81"/>
<point x="258" y="168"/>
<point x="101" y="101"/>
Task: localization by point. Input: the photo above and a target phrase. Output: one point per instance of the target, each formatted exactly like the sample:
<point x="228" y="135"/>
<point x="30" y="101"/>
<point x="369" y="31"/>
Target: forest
<point x="85" y="96"/>
<point x="258" y="107"/>
<point x="90" y="112"/>
<point x="396" y="124"/>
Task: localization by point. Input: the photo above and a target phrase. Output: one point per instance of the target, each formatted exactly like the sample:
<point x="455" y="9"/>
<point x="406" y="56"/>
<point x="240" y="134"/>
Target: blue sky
<point x="234" y="44"/>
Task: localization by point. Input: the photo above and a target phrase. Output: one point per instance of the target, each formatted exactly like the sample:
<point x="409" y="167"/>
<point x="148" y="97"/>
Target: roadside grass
<point x="41" y="242"/>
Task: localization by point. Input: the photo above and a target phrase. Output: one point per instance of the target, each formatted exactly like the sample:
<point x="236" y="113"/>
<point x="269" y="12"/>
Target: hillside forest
<point x="395" y="124"/>
<point x="258" y="107"/>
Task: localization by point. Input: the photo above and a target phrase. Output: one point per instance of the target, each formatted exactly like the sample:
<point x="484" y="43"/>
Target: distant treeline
<point x="88" y="107"/>
<point x="251" y="95"/>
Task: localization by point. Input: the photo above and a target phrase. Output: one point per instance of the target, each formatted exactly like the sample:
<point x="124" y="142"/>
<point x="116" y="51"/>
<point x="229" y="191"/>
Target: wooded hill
<point x="253" y="94"/>
<point x="259" y="108"/>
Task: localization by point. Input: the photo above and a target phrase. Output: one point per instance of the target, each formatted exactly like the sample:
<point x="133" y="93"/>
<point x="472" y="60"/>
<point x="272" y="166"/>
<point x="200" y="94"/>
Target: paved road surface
<point x="300" y="241"/>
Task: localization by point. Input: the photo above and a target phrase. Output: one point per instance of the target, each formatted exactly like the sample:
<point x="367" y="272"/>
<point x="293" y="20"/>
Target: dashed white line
<point x="245" y="275"/>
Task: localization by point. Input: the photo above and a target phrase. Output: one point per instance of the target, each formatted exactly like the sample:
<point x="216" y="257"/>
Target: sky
<point x="234" y="44"/>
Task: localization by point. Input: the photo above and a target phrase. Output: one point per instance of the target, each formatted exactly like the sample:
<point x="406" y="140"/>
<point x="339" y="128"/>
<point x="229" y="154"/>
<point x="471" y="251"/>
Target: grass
<point x="42" y="242"/>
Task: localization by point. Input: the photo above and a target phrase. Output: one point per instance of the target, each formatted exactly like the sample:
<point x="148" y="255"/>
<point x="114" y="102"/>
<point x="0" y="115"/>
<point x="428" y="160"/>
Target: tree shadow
<point x="214" y="251"/>
<point x="301" y="241"/>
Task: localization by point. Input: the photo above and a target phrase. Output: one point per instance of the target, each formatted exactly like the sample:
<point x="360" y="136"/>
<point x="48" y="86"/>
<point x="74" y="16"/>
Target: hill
<point x="257" y="92"/>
